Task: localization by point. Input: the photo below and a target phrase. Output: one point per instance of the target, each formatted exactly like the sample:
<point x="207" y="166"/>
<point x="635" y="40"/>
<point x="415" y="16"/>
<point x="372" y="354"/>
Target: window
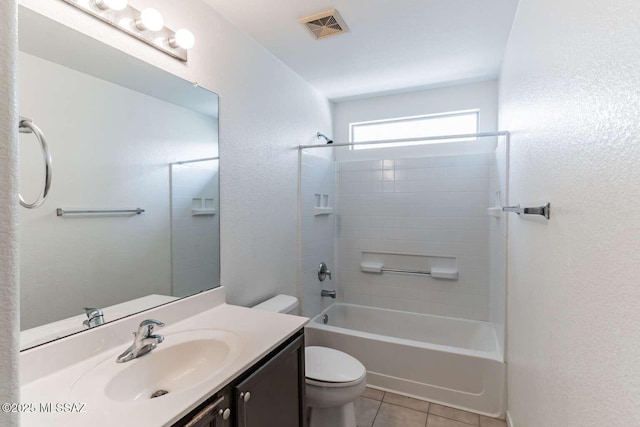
<point x="454" y="123"/>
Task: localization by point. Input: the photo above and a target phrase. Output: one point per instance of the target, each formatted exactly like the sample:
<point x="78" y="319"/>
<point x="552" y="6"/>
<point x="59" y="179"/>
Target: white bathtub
<point x="450" y="361"/>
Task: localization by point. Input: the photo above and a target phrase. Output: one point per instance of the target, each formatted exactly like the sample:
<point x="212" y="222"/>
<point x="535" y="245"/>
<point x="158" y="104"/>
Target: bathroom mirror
<point x="124" y="136"/>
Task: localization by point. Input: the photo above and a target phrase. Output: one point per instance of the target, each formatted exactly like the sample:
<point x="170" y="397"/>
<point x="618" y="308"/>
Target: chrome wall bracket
<point x="544" y="211"/>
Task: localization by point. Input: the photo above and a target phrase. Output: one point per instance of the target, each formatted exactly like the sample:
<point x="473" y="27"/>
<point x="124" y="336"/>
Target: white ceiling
<point x="392" y="45"/>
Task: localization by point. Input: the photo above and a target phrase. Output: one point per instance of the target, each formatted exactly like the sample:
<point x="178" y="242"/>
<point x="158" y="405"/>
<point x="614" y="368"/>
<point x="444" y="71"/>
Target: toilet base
<point x="336" y="416"/>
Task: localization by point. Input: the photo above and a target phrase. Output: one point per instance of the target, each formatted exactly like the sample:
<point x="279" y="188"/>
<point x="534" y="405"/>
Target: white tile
<point x="354" y="166"/>
<point x="431" y="206"/>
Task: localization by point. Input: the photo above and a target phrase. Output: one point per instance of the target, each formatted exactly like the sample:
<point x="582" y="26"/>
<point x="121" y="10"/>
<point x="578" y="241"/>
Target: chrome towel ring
<point x="27" y="126"/>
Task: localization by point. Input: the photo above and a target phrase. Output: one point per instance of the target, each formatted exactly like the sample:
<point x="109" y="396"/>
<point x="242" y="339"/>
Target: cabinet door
<point x="273" y="396"/>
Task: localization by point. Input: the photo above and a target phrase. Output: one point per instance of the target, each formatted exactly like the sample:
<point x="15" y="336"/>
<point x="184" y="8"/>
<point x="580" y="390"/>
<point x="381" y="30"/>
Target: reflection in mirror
<point x="116" y="128"/>
<point x="195" y="240"/>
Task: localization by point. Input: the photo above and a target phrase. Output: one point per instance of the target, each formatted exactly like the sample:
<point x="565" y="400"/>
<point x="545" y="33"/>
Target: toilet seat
<point x="327" y="367"/>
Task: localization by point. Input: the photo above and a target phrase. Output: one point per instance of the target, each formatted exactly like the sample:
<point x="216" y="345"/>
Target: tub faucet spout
<point x="326" y="293"/>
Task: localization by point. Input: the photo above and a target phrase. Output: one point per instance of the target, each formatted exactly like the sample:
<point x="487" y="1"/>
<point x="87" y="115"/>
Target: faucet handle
<point x="158" y="338"/>
<point x="146" y="327"/>
<point x="151" y="322"/>
<point x="323" y="272"/>
<point x="92" y="311"/>
<point x="95" y="317"/>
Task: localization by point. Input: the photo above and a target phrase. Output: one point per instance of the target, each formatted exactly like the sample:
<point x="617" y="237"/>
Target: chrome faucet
<point x="143" y="341"/>
<point x="326" y="293"/>
<point x="95" y="317"/>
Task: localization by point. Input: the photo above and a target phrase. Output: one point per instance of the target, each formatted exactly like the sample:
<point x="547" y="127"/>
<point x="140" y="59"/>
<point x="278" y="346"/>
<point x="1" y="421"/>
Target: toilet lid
<point x="332" y="366"/>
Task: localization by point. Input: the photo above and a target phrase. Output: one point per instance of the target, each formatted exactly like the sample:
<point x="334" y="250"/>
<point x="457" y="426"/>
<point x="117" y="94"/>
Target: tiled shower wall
<point x="433" y="206"/>
<point x="318" y="232"/>
<point x="195" y="240"/>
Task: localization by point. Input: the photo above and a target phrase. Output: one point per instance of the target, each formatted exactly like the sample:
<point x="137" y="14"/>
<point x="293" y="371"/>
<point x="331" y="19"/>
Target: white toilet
<point x="334" y="379"/>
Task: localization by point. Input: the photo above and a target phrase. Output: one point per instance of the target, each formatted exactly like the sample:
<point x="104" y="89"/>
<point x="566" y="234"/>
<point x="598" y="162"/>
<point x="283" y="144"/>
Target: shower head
<point x="320" y="135"/>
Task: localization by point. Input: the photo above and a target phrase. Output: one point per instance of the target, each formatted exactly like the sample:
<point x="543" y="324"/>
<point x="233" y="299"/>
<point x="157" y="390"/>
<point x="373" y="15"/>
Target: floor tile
<point x="491" y="422"/>
<point x="372" y="393"/>
<point x="436" y="421"/>
<point x="397" y="416"/>
<point x="455" y="414"/>
<point x="407" y="402"/>
<point x="366" y="410"/>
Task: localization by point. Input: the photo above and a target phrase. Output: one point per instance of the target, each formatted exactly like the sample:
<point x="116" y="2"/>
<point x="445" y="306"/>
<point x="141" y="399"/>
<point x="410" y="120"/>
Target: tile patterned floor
<point x="382" y="409"/>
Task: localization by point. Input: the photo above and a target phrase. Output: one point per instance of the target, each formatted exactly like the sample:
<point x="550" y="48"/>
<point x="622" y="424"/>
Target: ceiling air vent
<point x="325" y="24"/>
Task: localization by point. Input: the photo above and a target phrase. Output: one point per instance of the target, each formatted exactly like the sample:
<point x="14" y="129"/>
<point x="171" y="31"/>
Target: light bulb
<point x="150" y="19"/>
<point x="112" y="4"/>
<point x="183" y="38"/>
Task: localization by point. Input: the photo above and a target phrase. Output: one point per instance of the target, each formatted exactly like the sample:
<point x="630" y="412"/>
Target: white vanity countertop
<point x="259" y="333"/>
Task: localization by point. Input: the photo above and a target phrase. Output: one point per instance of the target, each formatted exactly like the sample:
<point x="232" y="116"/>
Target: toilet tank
<point x="279" y="304"/>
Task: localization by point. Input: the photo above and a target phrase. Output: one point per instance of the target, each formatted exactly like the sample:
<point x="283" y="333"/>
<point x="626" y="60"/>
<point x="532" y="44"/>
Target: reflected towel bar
<point x="63" y="212"/>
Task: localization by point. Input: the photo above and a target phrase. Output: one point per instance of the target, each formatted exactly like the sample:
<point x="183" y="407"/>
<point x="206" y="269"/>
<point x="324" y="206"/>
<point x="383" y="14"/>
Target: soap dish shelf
<point x="202" y="212"/>
<point x="322" y="211"/>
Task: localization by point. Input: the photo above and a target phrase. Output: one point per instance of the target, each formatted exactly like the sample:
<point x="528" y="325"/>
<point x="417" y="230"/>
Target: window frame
<point x="475" y="111"/>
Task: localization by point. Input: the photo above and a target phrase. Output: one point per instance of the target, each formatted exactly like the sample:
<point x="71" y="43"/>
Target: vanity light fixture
<point x="150" y="19"/>
<point x="183" y="38"/>
<point x="146" y="25"/>
<point x="112" y="4"/>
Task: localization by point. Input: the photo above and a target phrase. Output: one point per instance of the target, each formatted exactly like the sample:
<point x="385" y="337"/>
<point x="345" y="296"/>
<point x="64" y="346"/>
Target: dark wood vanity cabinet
<point x="269" y="394"/>
<point x="215" y="412"/>
<point x="273" y="394"/>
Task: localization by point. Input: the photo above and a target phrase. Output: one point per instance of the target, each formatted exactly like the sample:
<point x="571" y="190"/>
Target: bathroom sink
<point x="184" y="360"/>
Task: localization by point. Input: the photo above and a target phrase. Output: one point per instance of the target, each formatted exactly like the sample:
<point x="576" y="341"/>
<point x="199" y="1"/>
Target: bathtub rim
<point x="316" y="323"/>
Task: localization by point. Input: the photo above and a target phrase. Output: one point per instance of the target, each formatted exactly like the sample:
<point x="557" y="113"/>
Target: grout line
<point x="407" y="407"/>
<point x="452" y="419"/>
<point x="428" y="412"/>
<point x="376" y="415"/>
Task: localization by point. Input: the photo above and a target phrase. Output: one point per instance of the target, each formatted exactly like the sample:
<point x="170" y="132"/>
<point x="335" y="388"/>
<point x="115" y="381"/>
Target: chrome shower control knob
<point x="323" y="272"/>
<point x="245" y="396"/>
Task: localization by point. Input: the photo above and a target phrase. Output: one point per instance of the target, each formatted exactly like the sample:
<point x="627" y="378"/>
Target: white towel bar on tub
<point x="398" y="270"/>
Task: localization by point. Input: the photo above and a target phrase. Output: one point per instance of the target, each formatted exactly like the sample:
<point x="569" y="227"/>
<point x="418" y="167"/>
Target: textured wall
<point x="266" y="110"/>
<point x="8" y="210"/>
<point x="482" y="96"/>
<point x="570" y="95"/>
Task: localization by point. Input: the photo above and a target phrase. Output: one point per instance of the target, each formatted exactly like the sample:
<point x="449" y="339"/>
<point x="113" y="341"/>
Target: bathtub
<point x="454" y="362"/>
